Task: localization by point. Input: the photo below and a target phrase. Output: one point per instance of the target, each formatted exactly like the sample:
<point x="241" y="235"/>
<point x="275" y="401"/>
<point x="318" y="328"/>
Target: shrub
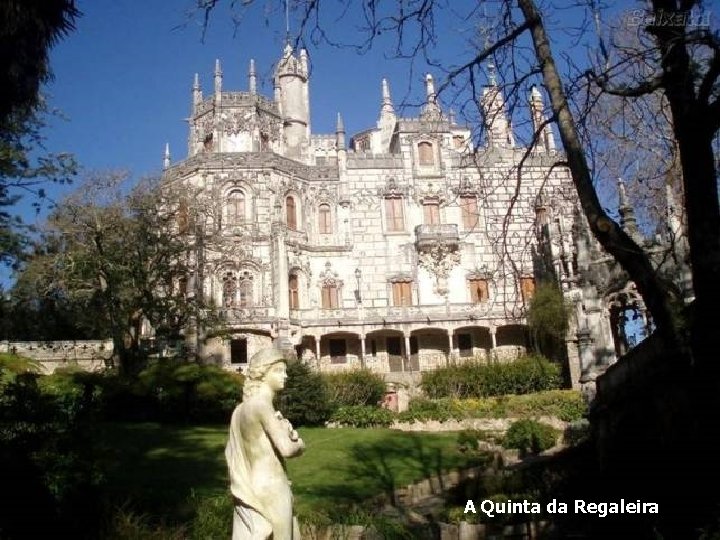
<point x="304" y="401"/>
<point x="361" y="416"/>
<point x="522" y="376"/>
<point x="530" y="436"/>
<point x="358" y="387"/>
<point x="187" y="391"/>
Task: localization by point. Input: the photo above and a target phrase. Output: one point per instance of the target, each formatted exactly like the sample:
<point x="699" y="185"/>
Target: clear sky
<point x="123" y="79"/>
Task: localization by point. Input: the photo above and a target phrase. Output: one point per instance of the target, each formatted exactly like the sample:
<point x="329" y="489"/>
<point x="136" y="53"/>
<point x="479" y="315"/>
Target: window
<point x="527" y="288"/>
<point x="183" y="221"/>
<point x="238" y="351"/>
<point x="338" y="351"/>
<point x="246" y="292"/>
<point x="465" y="345"/>
<point x="229" y="290"/>
<point x="393" y="346"/>
<point x="402" y="293"/>
<point x="324" y="221"/>
<point x="458" y="142"/>
<point x="236" y="207"/>
<point x="469" y="209"/>
<point x="431" y="213"/>
<point x="478" y="290"/>
<point x="264" y="142"/>
<point x="329" y="297"/>
<point x="425" y="153"/>
<point x="183" y="286"/>
<point x="394" y="214"/>
<point x="291" y="213"/>
<point x="373" y="348"/>
<point x="293" y="291"/>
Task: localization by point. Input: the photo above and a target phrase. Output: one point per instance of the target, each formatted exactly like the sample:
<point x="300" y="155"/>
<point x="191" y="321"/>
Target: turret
<point x="499" y="133"/>
<point x="340" y="133"/>
<point x="546" y="139"/>
<point x="252" y="79"/>
<point x="628" y="222"/>
<point x="196" y="93"/>
<point x="291" y="80"/>
<point x="431" y="110"/>
<point x="218" y="81"/>
<point x="166" y="157"/>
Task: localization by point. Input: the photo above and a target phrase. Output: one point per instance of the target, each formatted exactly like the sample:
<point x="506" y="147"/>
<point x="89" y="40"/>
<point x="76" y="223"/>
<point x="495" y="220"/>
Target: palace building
<point x="399" y="248"/>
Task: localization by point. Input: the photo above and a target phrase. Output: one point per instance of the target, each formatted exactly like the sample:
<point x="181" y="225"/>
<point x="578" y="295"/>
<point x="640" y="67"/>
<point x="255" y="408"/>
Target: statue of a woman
<point x="260" y="439"/>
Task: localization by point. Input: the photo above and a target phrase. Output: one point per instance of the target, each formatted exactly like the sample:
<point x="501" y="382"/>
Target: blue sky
<point x="123" y="79"/>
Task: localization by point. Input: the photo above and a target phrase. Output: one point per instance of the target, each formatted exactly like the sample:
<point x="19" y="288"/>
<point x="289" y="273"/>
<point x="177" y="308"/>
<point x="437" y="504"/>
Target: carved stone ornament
<point x="439" y="261"/>
<point x="203" y="126"/>
<point x="394" y="189"/>
<point x="328" y="278"/>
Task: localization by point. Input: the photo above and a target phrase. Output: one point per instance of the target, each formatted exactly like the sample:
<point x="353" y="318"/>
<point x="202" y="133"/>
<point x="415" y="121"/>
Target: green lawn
<point x="155" y="468"/>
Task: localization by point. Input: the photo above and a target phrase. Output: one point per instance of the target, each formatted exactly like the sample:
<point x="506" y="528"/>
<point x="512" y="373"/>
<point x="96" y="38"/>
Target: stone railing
<point x="483" y="314"/>
<point x="247" y="314"/>
<point x="51" y="355"/>
<point x="430" y="235"/>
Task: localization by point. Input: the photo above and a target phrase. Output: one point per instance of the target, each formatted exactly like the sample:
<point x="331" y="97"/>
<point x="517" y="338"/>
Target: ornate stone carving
<point x="439" y="261"/>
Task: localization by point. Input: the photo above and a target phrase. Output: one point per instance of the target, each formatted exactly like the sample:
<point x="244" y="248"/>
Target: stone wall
<point x="90" y="355"/>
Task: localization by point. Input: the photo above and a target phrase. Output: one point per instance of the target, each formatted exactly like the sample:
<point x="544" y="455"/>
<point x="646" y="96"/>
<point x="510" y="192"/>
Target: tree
<point x="680" y="61"/>
<point x="114" y="260"/>
<point x="28" y="29"/>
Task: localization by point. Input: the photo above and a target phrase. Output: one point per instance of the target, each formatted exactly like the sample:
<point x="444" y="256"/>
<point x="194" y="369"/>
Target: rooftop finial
<point x="430" y="88"/>
<point x="196" y="92"/>
<point x="622" y="195"/>
<point x="166" y="157"/>
<point x="252" y="78"/>
<point x="387" y="105"/>
<point x="218" y="79"/>
<point x="340" y="133"/>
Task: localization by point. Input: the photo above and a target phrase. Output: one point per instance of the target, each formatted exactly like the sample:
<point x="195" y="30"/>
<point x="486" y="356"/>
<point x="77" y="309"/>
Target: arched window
<point x="293" y="291"/>
<point x="236" y="207"/>
<point x="324" y="221"/>
<point x="229" y="290"/>
<point x="425" y="153"/>
<point x="291" y="213"/>
<point x="246" y="291"/>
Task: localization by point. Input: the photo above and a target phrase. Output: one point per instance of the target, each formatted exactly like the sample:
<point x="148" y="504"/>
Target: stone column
<point x="362" y="350"/>
<point x="450" y="345"/>
<point x="317" y="349"/>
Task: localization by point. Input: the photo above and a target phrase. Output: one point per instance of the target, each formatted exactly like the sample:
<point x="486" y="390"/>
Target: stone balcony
<point x="245" y="315"/>
<point x="429" y="236"/>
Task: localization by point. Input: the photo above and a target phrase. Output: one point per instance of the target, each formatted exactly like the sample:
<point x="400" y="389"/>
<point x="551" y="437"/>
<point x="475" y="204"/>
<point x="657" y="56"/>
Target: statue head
<point x="259" y="366"/>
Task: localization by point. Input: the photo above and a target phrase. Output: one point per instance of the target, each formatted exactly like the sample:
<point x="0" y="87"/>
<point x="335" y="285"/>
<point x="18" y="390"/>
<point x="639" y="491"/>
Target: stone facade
<point x="90" y="355"/>
<point x="401" y="249"/>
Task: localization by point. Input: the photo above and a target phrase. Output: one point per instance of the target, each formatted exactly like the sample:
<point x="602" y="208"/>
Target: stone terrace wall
<point x="89" y="355"/>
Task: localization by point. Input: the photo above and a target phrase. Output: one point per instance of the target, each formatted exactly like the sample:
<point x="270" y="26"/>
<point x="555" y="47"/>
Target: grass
<point x="158" y="470"/>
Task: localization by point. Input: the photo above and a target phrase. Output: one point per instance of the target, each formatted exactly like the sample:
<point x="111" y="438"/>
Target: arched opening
<point x="291" y="213"/>
<point x="324" y="219"/>
<point x="236" y="207"/>
<point x="425" y="153"/>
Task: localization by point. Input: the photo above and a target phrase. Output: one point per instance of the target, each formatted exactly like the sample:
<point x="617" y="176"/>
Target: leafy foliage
<point x="357" y="387"/>
<point x="361" y="416"/>
<point x="530" y="436"/>
<point x="548" y="318"/>
<point x="567" y="405"/>
<point x="475" y="379"/>
<point x="304" y="400"/>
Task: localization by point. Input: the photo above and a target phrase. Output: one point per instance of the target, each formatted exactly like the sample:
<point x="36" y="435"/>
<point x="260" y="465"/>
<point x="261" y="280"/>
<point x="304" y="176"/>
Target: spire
<point x="166" y="157"/>
<point x="627" y="213"/>
<point x="387" y="104"/>
<point x="431" y="111"/>
<point x="491" y="74"/>
<point x="218" y="80"/>
<point x="340" y="133"/>
<point x="252" y="78"/>
<point x="546" y="139"/>
<point x="671" y="213"/>
<point x="497" y="125"/>
<point x="196" y="91"/>
<point x="304" y="68"/>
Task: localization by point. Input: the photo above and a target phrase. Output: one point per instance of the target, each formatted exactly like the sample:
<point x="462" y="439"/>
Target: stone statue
<point x="260" y="438"/>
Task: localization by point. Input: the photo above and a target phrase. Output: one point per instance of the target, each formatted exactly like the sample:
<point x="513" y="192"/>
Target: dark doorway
<point x="394" y="346"/>
<point x="238" y="351"/>
<point x="465" y="345"/>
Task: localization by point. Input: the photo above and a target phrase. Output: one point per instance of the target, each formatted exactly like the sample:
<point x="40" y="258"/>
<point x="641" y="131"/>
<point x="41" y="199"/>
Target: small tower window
<point x="229" y="290"/>
<point x="291" y="213"/>
<point x="425" y="153"/>
<point x="246" y="291"/>
<point x="294" y="292"/>
<point x="236" y="207"/>
<point x="324" y="219"/>
<point x="478" y="290"/>
<point x="469" y="209"/>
